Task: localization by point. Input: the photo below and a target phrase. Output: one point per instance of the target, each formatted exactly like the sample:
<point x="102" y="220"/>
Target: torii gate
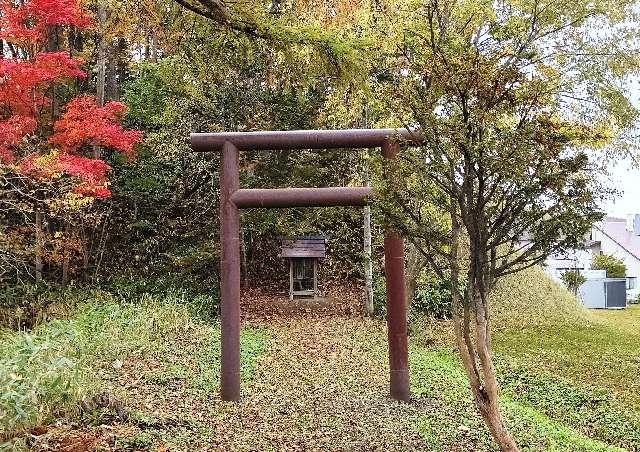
<point x="232" y="198"/>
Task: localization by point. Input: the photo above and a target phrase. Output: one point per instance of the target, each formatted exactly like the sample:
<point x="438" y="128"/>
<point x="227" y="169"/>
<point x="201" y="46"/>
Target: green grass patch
<point x="108" y="345"/>
<point x="589" y="410"/>
<point x="39" y="377"/>
<point x="588" y="355"/>
<point x="452" y="421"/>
<point x="569" y="375"/>
<point x="580" y="369"/>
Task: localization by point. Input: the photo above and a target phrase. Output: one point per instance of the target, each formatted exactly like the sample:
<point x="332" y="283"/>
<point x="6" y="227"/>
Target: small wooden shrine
<point x="303" y="254"/>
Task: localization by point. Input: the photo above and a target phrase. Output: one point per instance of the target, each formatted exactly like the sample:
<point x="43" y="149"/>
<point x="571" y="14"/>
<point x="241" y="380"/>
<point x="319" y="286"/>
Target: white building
<point x="615" y="236"/>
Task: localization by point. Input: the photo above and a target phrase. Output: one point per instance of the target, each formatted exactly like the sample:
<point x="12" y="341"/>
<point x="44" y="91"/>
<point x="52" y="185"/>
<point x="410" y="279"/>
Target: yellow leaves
<point x="597" y="135"/>
<point x="602" y="134"/>
<point x="70" y="201"/>
<point x="578" y="133"/>
<point x="506" y="121"/>
<point x="45" y="163"/>
<point x="340" y="12"/>
<point x="547" y="71"/>
<point x="473" y="13"/>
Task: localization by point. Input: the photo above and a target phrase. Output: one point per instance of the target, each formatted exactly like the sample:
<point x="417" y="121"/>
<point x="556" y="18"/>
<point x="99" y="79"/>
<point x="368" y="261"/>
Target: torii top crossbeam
<point x="302" y="139"/>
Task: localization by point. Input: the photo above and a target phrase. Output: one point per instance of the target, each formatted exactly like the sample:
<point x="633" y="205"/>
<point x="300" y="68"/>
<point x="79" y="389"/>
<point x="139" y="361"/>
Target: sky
<point x="627" y="180"/>
<point x="624" y="177"/>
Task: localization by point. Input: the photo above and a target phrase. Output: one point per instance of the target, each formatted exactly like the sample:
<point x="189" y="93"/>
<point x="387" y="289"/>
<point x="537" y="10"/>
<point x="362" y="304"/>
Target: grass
<point x="39" y="377"/>
<point x="105" y="347"/>
<point x="579" y="366"/>
<point x="543" y="413"/>
<point x="569" y="378"/>
<point x="569" y="375"/>
<point x="531" y="299"/>
<point x="590" y="354"/>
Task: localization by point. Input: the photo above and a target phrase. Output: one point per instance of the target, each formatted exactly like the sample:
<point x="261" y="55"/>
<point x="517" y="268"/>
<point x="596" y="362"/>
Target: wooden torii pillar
<point x="233" y="198"/>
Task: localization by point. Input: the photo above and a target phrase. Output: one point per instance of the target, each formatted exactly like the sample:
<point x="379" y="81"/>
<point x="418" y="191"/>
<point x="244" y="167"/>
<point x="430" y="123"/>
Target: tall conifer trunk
<point x="38" y="248"/>
<point x="368" y="263"/>
<point x="101" y="60"/>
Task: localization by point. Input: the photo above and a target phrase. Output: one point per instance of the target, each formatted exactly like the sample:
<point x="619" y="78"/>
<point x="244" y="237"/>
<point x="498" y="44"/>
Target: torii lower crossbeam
<point x="233" y="198"/>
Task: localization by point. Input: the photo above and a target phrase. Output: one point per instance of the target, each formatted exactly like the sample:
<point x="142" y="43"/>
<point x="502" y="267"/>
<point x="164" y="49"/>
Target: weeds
<point x="39" y="377"/>
<point x="45" y="373"/>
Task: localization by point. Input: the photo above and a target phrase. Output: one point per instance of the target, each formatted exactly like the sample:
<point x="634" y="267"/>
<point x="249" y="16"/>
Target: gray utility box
<point x="604" y="293"/>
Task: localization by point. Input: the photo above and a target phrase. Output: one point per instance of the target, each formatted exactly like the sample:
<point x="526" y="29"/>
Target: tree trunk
<point x="101" y="64"/>
<point x="75" y="40"/>
<point x="86" y="253"/>
<point x="368" y="263"/>
<point x="102" y="244"/>
<point x="111" y="75"/>
<point x="53" y="45"/>
<point x="122" y="65"/>
<point x="487" y="396"/>
<point x="38" y="248"/>
<point x="101" y="60"/>
<point x="76" y="44"/>
<point x="243" y="259"/>
<point x="154" y="47"/>
<point x="482" y="374"/>
<point x="147" y="47"/>
<point x="101" y="73"/>
<point x="66" y="261"/>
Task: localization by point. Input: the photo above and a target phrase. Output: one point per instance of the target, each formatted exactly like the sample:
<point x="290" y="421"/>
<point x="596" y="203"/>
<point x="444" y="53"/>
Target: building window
<point x="631" y="282"/>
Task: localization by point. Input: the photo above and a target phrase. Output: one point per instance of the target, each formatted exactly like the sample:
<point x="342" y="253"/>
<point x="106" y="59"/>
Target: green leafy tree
<point x="573" y="279"/>
<point x="614" y="266"/>
<point x="512" y="98"/>
<point x="169" y="199"/>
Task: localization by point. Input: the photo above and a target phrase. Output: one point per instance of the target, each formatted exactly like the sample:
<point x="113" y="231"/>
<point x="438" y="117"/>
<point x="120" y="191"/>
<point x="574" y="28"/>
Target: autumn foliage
<point x="84" y="123"/>
<point x="91" y="173"/>
<point x="27" y="120"/>
<point x="28" y="22"/>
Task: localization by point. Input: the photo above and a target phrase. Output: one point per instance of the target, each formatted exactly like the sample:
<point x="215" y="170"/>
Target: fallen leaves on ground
<point x="315" y="388"/>
<point x="313" y="391"/>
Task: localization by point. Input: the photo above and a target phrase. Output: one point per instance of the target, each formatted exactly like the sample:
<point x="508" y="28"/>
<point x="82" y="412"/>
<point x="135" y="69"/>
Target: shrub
<point x="434" y="299"/>
<point x="23" y="306"/>
<point x="39" y="377"/>
<point x="573" y="279"/>
<point x="614" y="266"/>
<point x="379" y="294"/>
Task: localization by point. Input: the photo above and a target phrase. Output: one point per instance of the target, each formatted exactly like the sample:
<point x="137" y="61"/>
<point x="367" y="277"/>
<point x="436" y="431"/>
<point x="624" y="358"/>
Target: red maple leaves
<point x="28" y="21"/>
<point x="86" y="123"/>
<point x="25" y="83"/>
<point x="12" y="130"/>
<point x="23" y="87"/>
<point x="92" y="173"/>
